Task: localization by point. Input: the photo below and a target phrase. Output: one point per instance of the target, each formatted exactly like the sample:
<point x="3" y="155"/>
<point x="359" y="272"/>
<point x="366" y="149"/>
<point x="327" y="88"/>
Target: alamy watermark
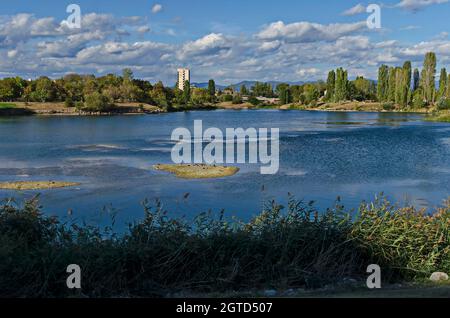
<point x="374" y="279"/>
<point x="234" y="145"/>
<point x="374" y="19"/>
<point x="73" y="21"/>
<point x="73" y="281"/>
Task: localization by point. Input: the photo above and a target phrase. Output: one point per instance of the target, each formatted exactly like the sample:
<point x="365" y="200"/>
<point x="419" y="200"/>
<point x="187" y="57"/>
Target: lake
<point x="323" y="155"/>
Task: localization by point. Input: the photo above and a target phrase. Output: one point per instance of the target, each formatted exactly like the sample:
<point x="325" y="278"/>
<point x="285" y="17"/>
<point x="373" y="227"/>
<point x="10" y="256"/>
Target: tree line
<point x="398" y="85"/>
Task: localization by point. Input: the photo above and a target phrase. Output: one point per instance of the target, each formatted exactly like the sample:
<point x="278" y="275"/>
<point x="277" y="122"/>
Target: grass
<point x="296" y="246"/>
<point x="441" y="116"/>
<point x="35" y="185"/>
<point x="198" y="171"/>
<point x="7" y="105"/>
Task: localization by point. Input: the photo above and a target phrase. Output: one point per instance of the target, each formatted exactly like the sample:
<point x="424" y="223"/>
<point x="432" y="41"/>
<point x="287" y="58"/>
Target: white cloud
<point x="32" y="46"/>
<point x="410" y="28"/>
<point x="208" y="45"/>
<point x="307" y="73"/>
<point x="416" y="5"/>
<point x="309" y="32"/>
<point x="270" y="46"/>
<point x="12" y="53"/>
<point x="157" y="8"/>
<point x="143" y="29"/>
<point x="358" y="9"/>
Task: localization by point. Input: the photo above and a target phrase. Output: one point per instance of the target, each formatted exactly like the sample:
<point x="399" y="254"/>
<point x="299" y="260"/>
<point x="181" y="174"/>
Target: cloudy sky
<point x="228" y="40"/>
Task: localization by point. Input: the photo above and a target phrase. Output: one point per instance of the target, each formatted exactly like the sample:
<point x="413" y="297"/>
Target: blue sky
<point x="228" y="40"/>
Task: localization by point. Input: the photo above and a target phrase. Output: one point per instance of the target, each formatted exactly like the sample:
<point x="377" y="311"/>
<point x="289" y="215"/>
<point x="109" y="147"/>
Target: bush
<point x="97" y="102"/>
<point x="443" y="104"/>
<point x="227" y="98"/>
<point x="282" y="247"/>
<point x="237" y="99"/>
<point x="69" y="102"/>
<point x="418" y="101"/>
<point x="254" y="101"/>
<point x="388" y="106"/>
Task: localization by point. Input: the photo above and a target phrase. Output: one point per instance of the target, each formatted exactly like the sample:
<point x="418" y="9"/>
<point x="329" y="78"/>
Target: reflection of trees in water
<point x="337" y="116"/>
<point x="392" y="118"/>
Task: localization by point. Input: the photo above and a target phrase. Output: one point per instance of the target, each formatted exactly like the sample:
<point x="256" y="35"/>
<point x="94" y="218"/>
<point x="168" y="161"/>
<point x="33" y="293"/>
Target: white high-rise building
<point x="184" y="75"/>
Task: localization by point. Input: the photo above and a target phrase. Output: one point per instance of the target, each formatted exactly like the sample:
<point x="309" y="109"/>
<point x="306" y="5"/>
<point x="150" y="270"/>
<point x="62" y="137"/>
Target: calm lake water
<point x="322" y="156"/>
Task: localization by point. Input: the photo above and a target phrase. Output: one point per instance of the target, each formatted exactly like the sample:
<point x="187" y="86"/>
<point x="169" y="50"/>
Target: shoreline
<point x="134" y="109"/>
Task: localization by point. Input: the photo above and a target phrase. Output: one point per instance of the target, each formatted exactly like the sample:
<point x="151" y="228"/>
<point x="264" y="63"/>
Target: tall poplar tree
<point x="416" y="79"/>
<point x="340" y="90"/>
<point x="442" y="83"/>
<point x="406" y="85"/>
<point x="383" y="82"/>
<point x="427" y="81"/>
<point x="391" y="84"/>
<point x="331" y="82"/>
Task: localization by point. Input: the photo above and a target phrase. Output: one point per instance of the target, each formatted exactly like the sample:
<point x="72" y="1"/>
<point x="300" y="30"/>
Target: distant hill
<point x="248" y="84"/>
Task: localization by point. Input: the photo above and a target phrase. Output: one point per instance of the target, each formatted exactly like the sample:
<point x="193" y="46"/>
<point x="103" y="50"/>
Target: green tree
<point x="212" y="90"/>
<point x="399" y="84"/>
<point x="11" y="89"/>
<point x="362" y="89"/>
<point x="331" y="82"/>
<point x="447" y="91"/>
<point x="391" y="84"/>
<point x="383" y="83"/>
<point x="406" y="84"/>
<point x="45" y="90"/>
<point x="283" y="93"/>
<point x="442" y="84"/>
<point x="341" y="87"/>
<point x="416" y="80"/>
<point x="428" y="78"/>
<point x="310" y="94"/>
<point x="244" y="90"/>
<point x="237" y="99"/>
<point x="200" y="96"/>
<point x="97" y="102"/>
<point x="187" y="92"/>
<point x="160" y="96"/>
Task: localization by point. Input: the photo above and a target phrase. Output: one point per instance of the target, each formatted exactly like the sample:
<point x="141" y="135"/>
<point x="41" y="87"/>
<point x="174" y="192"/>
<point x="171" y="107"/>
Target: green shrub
<point x="388" y="106"/>
<point x="283" y="247"/>
<point x="226" y="98"/>
<point x="237" y="99"/>
<point x="418" y="101"/>
<point x="97" y="102"/>
<point x="254" y="101"/>
<point x="443" y="104"/>
<point x="68" y="102"/>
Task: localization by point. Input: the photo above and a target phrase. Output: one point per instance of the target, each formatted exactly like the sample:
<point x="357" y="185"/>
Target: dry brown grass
<point x="59" y="108"/>
<point x="35" y="185"/>
<point x="198" y="171"/>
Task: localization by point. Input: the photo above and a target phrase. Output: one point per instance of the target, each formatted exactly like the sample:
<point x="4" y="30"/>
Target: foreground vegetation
<point x="292" y="247"/>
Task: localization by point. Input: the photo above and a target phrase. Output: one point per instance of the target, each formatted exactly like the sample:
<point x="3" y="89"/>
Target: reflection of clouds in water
<point x="225" y="140"/>
<point x="154" y="149"/>
<point x="333" y="139"/>
<point x="99" y="161"/>
<point x="446" y="141"/>
<point x="292" y="172"/>
<point x="441" y="170"/>
<point x="103" y="148"/>
<point x="18" y="164"/>
<point x="446" y="129"/>
<point x="96" y="147"/>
